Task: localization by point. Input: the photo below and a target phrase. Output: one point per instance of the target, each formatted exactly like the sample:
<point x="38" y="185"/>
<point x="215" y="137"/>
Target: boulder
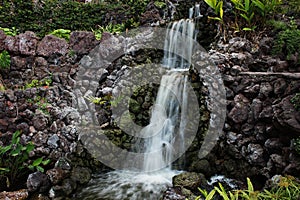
<point x="38" y="181"/>
<point x="82" y="42"/>
<point x="52" y="45"/>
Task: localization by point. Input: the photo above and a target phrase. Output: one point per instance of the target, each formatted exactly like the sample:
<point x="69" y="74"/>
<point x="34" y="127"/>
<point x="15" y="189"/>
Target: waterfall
<point x="166" y="131"/>
<point x="197" y="11"/>
<point x="168" y="117"/>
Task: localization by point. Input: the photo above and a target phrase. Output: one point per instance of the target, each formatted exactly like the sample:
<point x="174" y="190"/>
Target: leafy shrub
<point x="286" y="188"/>
<point x="287" y="43"/>
<point x="49" y="15"/>
<point x="10" y="31"/>
<point x="61" y="33"/>
<point x="14" y="160"/>
<point x="4" y="60"/>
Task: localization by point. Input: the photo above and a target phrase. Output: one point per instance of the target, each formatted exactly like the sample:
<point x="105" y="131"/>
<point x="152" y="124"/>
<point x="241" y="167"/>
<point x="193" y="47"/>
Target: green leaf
<point x="29" y="147"/>
<point x="211" y="3"/>
<point x="4" y="169"/>
<point x="46" y="162"/>
<point x="247" y="5"/>
<point x="247" y="29"/>
<point x="250" y="186"/>
<point x="259" y="4"/>
<point x="215" y="18"/>
<point x="15" y="138"/>
<point x="39" y="168"/>
<point x="3" y="150"/>
<point x="210" y="195"/>
<point x="37" y="162"/>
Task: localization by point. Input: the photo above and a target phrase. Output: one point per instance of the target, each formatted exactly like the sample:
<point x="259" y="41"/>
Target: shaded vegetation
<point x="46" y="16"/>
<point x="283" y="188"/>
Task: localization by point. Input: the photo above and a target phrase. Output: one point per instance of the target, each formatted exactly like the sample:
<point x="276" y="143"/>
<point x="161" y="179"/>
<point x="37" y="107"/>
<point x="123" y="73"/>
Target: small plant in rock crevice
<point x="296" y="145"/>
<point x="4" y="59"/>
<point x="61" y="33"/>
<point x="15" y="161"/>
<point x="39" y="83"/>
<point x="41" y="103"/>
<point x="296" y="101"/>
<point x="106" y="100"/>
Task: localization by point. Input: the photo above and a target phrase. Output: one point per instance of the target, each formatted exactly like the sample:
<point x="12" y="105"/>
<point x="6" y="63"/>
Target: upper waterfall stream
<point x="164" y="135"/>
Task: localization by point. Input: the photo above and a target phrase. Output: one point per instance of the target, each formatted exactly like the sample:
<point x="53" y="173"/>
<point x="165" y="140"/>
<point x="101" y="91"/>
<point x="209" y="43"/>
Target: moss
<point x="287" y="43"/>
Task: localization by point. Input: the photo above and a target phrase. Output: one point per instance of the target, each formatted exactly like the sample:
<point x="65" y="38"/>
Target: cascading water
<point x="165" y="132"/>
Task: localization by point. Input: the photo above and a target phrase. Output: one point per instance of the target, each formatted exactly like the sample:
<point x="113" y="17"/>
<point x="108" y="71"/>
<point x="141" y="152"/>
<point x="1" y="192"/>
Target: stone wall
<point x="261" y="121"/>
<point x="256" y="139"/>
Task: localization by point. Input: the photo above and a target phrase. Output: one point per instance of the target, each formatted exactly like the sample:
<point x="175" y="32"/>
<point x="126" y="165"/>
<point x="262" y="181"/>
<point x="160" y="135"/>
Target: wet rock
<point x="189" y="180"/>
<point x="63" y="190"/>
<point x="16" y="195"/>
<point x="40" y="122"/>
<point x="239" y="112"/>
<point x="81" y="175"/>
<point x="265" y="45"/>
<point x="286" y="117"/>
<point x="266" y="113"/>
<point x="63" y="163"/>
<point x="281" y="66"/>
<point x="82" y="42"/>
<point x="52" y="45"/>
<point x="53" y="141"/>
<point x="265" y="89"/>
<point x="56" y="175"/>
<point x="173" y="193"/>
<point x="2" y="38"/>
<point x="280" y="86"/>
<point x="256" y="108"/>
<point x="277" y="161"/>
<point x="255" y="154"/>
<point x="40" y="139"/>
<point x="38" y="181"/>
<point x="238" y="44"/>
<point x="27" y="43"/>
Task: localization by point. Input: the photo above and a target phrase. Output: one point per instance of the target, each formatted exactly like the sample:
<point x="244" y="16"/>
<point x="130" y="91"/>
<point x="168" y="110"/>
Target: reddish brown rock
<point x="52" y="45"/>
<point x="82" y="42"/>
<point x="27" y="43"/>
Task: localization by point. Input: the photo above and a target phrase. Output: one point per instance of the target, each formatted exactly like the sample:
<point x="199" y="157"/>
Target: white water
<point x="165" y="132"/>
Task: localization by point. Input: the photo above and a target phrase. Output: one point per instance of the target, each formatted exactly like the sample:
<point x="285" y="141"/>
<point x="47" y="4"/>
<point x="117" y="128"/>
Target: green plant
<point x="296" y="101"/>
<point x="217" y="6"/>
<point x="39" y="83"/>
<point x="244" y="8"/>
<point x="10" y="31"/>
<point x="14" y="160"/>
<point x="296" y="145"/>
<point x="160" y="4"/>
<point x="61" y="33"/>
<point x="96" y="100"/>
<point x="111" y="28"/>
<point x="287" y="188"/>
<point x="41" y="103"/>
<point x="287" y="43"/>
<point x="106" y="100"/>
<point x="4" y="59"/>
